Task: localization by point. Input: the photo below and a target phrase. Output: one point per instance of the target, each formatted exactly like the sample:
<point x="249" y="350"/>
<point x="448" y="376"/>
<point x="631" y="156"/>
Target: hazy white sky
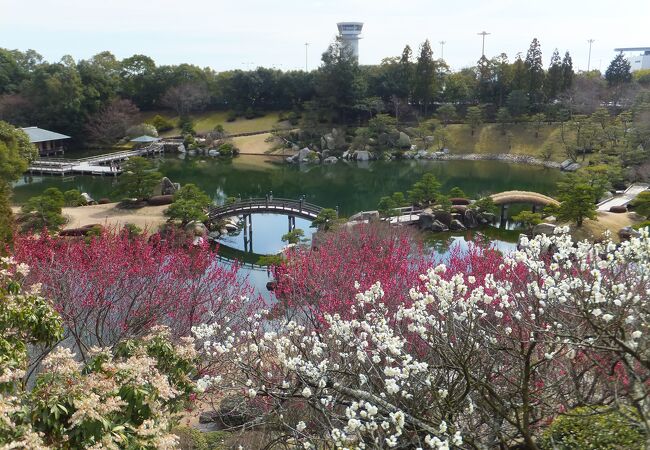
<point x="248" y="33"/>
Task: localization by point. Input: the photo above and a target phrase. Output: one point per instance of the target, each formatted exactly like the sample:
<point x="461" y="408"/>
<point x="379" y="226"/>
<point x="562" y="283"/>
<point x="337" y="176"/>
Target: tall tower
<point x="349" y="34"/>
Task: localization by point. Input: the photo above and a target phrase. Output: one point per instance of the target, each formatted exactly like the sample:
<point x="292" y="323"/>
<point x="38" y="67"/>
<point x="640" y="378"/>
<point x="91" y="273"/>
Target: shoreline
<point x="503" y="157"/>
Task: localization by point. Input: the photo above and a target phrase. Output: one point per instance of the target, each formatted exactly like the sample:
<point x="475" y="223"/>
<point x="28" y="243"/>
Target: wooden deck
<point x="92" y="165"/>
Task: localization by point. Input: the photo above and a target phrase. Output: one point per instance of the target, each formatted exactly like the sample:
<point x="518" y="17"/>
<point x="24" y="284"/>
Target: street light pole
<point x="442" y="49"/>
<point x="483" y="33"/>
<point x="306" y="53"/>
<point x="591" y="41"/>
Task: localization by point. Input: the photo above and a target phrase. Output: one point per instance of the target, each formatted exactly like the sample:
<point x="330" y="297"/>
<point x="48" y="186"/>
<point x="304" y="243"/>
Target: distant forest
<point x="71" y="96"/>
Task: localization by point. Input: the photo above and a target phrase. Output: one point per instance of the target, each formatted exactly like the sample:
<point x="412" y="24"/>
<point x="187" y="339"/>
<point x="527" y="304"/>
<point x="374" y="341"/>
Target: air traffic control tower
<point x="639" y="61"/>
<point x="349" y="33"/>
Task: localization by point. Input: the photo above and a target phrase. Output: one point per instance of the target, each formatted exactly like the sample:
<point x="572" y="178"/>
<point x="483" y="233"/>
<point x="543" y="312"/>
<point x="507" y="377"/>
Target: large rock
<point x="566" y="163"/>
<point x="88" y="198"/>
<point x="572" y="168"/>
<point x="626" y="233"/>
<point x="181" y="148"/>
<point x="213" y="152"/>
<point x="428" y="222"/>
<point x="330" y="160"/>
<point x="403" y="141"/>
<point x="456" y="225"/>
<point x="361" y="155"/>
<point x="167" y="187"/>
<point x="197" y="228"/>
<point x="470" y="218"/>
<point x="544" y="228"/>
<point x="443" y="217"/>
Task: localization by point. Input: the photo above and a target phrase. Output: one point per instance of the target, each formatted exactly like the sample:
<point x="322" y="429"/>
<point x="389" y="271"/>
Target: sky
<point x="244" y="34"/>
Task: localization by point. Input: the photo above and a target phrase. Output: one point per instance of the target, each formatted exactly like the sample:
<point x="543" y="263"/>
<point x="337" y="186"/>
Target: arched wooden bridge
<point x="246" y="208"/>
<point x="294" y="208"/>
<point x="511" y="197"/>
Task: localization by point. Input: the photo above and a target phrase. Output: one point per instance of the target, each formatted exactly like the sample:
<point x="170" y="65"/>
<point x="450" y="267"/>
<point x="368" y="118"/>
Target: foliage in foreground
<point x="119" y="285"/>
<point x="124" y="398"/>
<point x="480" y="353"/>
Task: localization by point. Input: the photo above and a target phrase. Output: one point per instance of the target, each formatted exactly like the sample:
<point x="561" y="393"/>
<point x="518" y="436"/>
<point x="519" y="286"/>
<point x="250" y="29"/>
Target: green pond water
<point x="352" y="187"/>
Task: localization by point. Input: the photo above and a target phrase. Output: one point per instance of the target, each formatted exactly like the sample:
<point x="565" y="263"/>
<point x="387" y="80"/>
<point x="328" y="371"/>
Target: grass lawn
<point x="519" y="139"/>
<point x="206" y="121"/>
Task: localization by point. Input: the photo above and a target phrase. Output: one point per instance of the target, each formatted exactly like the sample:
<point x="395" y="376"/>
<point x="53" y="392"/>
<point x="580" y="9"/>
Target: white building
<point x="640" y="61"/>
<point x="349" y="33"/>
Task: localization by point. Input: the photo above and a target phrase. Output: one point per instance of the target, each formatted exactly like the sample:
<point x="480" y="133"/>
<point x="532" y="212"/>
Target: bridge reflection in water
<point x="246" y="208"/>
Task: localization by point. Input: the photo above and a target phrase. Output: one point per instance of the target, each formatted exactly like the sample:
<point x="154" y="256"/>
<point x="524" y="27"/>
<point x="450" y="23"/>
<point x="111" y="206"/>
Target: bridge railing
<point x="255" y="204"/>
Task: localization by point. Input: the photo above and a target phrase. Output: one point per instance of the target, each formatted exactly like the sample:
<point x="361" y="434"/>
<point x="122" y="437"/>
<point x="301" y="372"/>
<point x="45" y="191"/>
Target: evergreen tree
<point x="425" y="69"/>
<point x="503" y="78"/>
<point x="406" y="73"/>
<point x="339" y="84"/>
<point x="519" y="74"/>
<point x="618" y="71"/>
<point x="535" y="72"/>
<point x="553" y="84"/>
<point x="485" y="75"/>
<point x="474" y="117"/>
<point x="578" y="201"/>
<point x="567" y="72"/>
<point x="138" y="179"/>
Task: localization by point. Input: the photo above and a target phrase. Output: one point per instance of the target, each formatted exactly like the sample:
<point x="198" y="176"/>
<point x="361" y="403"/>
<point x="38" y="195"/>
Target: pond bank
<point x="504" y="157"/>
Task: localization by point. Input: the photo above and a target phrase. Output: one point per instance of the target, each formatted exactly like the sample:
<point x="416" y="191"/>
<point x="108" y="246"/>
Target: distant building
<point x="640" y="61"/>
<point x="349" y="33"/>
<point x="48" y="142"/>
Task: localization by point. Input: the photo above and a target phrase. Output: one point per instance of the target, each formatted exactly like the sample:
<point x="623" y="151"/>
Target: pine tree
<point x="553" y="84"/>
<point x="567" y="72"/>
<point x="406" y="71"/>
<point x="425" y="76"/>
<point x="535" y="72"/>
<point x="618" y="71"/>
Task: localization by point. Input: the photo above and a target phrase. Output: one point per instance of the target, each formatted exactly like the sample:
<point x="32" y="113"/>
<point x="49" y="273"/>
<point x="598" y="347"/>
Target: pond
<point x="352" y="187"/>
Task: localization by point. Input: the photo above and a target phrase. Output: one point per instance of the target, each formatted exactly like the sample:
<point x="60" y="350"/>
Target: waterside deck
<point x="106" y="164"/>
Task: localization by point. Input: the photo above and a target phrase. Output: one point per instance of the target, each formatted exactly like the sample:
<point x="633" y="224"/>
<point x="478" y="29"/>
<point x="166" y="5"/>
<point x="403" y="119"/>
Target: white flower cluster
<point x="408" y="378"/>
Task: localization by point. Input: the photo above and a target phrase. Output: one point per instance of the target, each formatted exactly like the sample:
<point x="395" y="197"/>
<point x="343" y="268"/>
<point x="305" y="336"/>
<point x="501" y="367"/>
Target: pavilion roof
<point x="40" y="135"/>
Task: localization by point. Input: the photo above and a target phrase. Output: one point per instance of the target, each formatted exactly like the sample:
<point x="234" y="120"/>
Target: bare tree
<point x="186" y="97"/>
<point x="111" y="122"/>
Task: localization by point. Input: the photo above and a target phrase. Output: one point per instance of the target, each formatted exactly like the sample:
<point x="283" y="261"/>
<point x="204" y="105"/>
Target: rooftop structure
<point x="349" y="33"/>
<point x="640" y="61"/>
<point x="48" y="142"/>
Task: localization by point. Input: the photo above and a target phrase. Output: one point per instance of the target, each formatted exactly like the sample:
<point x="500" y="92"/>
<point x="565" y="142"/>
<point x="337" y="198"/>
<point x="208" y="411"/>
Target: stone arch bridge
<point x="507" y="198"/>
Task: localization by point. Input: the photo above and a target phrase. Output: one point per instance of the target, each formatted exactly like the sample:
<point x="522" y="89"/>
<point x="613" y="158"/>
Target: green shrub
<point x="250" y="113"/>
<point x="644" y="224"/>
<point x="186" y="124"/>
<point x="190" y="438"/>
<point x="227" y="149"/>
<point x="43" y="211"/>
<point x="74" y="198"/>
<point x="132" y="229"/>
<point x="190" y="203"/>
<point x="161" y="123"/>
<point x="232" y="116"/>
<point x="590" y="428"/>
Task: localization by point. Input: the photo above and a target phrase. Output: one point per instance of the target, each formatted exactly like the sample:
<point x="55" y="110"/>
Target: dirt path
<point x="149" y="217"/>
